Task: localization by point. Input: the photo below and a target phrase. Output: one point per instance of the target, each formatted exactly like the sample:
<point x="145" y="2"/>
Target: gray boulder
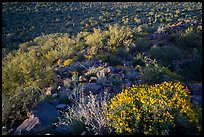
<point x="46" y="112"/>
<point x="27" y="126"/>
<point x="91" y="87"/>
<point x="47" y="115"/>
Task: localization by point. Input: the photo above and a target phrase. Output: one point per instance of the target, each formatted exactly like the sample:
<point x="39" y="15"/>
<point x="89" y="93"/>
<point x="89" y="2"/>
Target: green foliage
<point x="165" y="54"/>
<point x="63" y="96"/>
<point x="151" y="73"/>
<point x="187" y="39"/>
<point x="119" y="36"/>
<point x="16" y="107"/>
<point x="192" y="69"/>
<point x="109" y="40"/>
<point x="141" y="45"/>
<point x="33" y="64"/>
<point x="152" y="110"/>
<point x="96" y="38"/>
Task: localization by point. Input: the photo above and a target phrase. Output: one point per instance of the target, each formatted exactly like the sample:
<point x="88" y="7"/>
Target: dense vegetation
<point x="152" y="110"/>
<point x="149" y="45"/>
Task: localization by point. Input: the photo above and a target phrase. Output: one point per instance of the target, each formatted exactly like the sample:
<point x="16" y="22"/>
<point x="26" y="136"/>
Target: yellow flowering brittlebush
<point x="150" y="109"/>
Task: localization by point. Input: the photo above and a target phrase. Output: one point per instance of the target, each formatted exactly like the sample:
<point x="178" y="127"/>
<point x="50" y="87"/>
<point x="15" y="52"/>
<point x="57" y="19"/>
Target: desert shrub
<point x="172" y="75"/>
<point x="91" y="110"/>
<point x="165" y="54"/>
<point x="63" y="97"/>
<point x="119" y="36"/>
<point x="131" y="75"/>
<point x="33" y="63"/>
<point x="152" y="109"/>
<point x="114" y="59"/>
<point x="70" y="124"/>
<point x="114" y="37"/>
<point x="96" y="38"/>
<point x="15" y="108"/>
<point x="24" y="70"/>
<point x="114" y="80"/>
<point x="192" y="69"/>
<point x="141" y="45"/>
<point x="151" y="72"/>
<point x="82" y="35"/>
<point x="188" y="39"/>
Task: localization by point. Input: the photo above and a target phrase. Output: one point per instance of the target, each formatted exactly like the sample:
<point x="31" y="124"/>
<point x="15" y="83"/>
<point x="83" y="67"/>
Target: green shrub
<point x="165" y="54"/>
<point x="141" y="45"/>
<point x="152" y="110"/>
<point x="33" y="63"/>
<point x="119" y="36"/>
<point x="192" y="69"/>
<point x="187" y="39"/>
<point x="151" y="73"/>
<point x="96" y="38"/>
<point x="114" y="37"/>
<point x="16" y="107"/>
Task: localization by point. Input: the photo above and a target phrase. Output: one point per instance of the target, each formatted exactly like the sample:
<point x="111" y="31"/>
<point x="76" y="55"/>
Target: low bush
<point x="91" y="111"/>
<point x="192" y="69"/>
<point x="151" y="72"/>
<point x="15" y="108"/>
<point x="188" y="39"/>
<point x="165" y="54"/>
<point x="152" y="109"/>
<point x="119" y="36"/>
<point x="33" y="64"/>
<point x="114" y="37"/>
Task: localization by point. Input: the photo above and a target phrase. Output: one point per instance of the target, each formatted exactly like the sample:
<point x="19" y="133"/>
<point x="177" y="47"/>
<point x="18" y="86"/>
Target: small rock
<point x="60" y="88"/>
<point x="55" y="95"/>
<point x="27" y="125"/>
<point x="48" y="91"/>
<point x="91" y="87"/>
<point x="110" y="69"/>
<point x="106" y="71"/>
<point x="82" y="79"/>
<point x="93" y="80"/>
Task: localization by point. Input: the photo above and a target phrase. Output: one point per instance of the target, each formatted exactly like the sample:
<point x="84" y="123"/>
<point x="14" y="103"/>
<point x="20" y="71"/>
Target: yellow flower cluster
<point x="150" y="109"/>
<point x="68" y="62"/>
